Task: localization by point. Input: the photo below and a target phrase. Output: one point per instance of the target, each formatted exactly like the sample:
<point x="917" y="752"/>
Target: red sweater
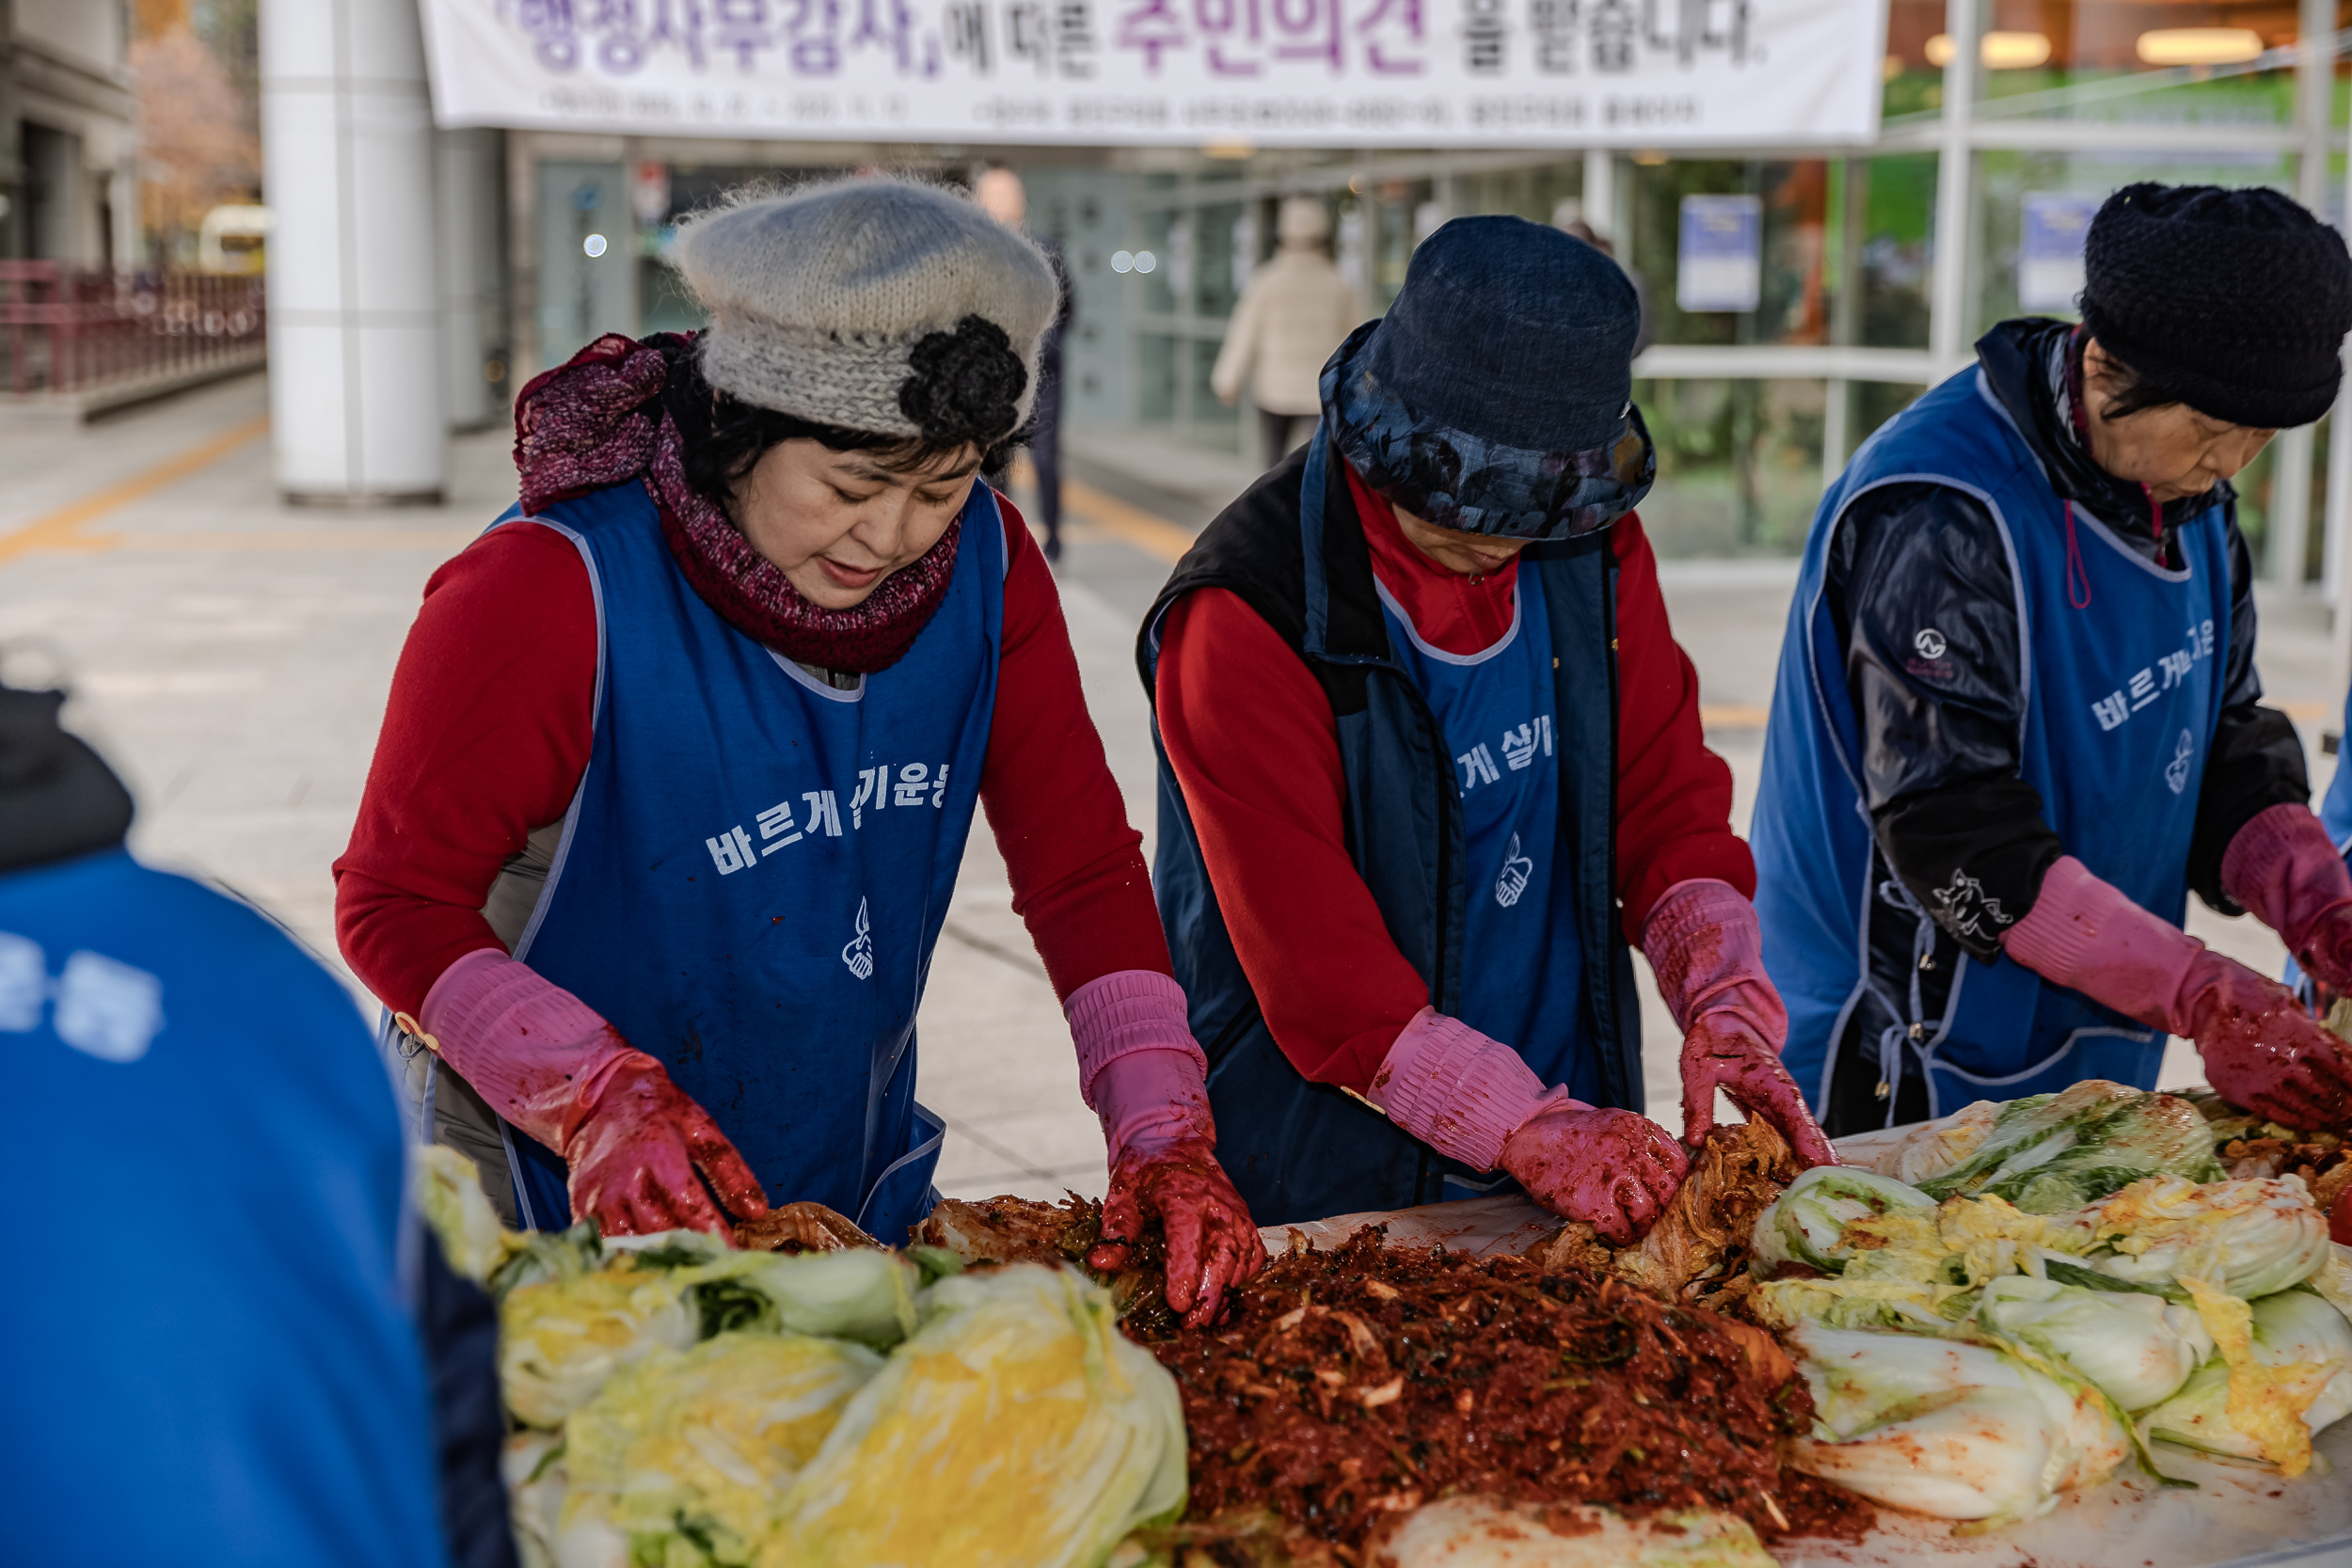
<point x="488" y="728"/>
<point x="1252" y="737"/>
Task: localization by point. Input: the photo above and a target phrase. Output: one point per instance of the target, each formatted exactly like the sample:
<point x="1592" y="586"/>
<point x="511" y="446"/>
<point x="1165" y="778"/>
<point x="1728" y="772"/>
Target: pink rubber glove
<point x="1476" y="1100"/>
<point x="2261" y="1049"/>
<point x="1704" y="946"/>
<point x="547" y="1062"/>
<point x="2283" y="868"/>
<point x="1142" y="1073"/>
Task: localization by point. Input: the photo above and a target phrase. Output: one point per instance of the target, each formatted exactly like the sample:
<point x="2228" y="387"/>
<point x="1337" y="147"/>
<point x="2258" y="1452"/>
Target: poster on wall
<point x="1340" y="74"/>
<point x="2052" y="227"/>
<point x="1719" y="264"/>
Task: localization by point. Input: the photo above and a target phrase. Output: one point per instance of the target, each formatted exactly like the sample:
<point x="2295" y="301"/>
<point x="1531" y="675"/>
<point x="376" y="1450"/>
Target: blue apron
<point x="2335" y="815"/>
<point x="2123" y="694"/>
<point x="1524" y="981"/>
<point x="757" y="865"/>
<point x="2335" y="808"/>
<point x="242" y="1384"/>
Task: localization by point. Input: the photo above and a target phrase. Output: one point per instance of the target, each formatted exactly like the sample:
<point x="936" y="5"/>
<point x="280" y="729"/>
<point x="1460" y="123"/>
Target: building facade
<point x="69" y="145"/>
<point x="1845" y="304"/>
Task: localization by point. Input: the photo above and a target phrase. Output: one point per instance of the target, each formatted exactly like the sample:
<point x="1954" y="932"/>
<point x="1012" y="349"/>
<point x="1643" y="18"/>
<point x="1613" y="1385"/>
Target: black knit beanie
<point x="2235" y="301"/>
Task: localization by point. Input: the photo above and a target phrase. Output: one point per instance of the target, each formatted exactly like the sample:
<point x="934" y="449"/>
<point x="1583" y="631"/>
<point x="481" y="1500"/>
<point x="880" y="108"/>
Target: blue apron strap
<point x="903" y="1195"/>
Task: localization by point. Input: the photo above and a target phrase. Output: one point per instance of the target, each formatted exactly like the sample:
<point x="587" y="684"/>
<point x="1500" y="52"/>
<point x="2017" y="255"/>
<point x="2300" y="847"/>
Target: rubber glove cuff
<point x="1456" y="1090"/>
<point x="537" y="1054"/>
<point x="1705" y="946"/>
<point x="1139" y="1068"/>
<point x="2285" y="870"/>
<point x="2084" y="934"/>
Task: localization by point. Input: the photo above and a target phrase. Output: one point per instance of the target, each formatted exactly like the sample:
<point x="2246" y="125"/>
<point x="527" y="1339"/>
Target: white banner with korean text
<point x="1336" y="73"/>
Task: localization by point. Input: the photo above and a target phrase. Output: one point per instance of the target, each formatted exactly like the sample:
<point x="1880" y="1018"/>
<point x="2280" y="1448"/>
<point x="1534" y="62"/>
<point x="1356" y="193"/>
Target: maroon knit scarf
<point x="586" y="425"/>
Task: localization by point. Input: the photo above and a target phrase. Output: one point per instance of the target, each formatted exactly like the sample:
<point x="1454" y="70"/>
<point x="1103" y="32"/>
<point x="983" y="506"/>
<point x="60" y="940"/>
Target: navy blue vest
<point x="1293" y="551"/>
<point x="757" y="865"/>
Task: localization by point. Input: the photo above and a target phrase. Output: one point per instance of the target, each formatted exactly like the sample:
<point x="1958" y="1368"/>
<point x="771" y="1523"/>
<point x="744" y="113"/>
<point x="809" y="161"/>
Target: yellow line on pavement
<point x="56" y="530"/>
<point x="1152" y="534"/>
<point x="286" y="539"/>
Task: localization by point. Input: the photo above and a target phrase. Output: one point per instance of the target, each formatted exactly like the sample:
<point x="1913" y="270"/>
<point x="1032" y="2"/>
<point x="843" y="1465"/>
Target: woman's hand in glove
<point x="1143" y="1073"/>
<point x="2262" y="1050"/>
<point x="1702" y="942"/>
<point x="1613" y="1169"/>
<point x="1723" y="1051"/>
<point x="549" y="1064"/>
<point x="1213" y="1245"/>
<point x="2284" y="869"/>
<point x="1476" y="1100"/>
<point x="637" y="1147"/>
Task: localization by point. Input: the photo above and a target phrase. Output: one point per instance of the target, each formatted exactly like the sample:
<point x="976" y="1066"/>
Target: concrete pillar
<point x="2290" y="518"/>
<point x="1949" y="312"/>
<point x="472" y="222"/>
<point x="2291" y="464"/>
<point x="2338" y="567"/>
<point x="354" y="309"/>
<point x="1600" y="197"/>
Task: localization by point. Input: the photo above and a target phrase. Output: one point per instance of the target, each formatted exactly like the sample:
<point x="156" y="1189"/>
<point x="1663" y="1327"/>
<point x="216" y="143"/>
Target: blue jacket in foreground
<point x="210" y="1360"/>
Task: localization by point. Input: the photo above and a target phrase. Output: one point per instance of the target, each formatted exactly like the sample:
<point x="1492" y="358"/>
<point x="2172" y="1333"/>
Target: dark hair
<point x="963" y="390"/>
<point x="2129" y="391"/>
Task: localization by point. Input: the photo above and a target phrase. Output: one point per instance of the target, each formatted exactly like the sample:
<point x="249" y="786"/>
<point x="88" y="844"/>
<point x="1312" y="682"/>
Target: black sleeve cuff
<point x="2257" y="762"/>
<point x="1973" y="853"/>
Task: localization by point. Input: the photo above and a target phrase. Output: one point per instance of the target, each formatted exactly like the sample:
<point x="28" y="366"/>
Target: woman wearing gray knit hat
<point x="682" y="758"/>
<point x="2018" y="717"/>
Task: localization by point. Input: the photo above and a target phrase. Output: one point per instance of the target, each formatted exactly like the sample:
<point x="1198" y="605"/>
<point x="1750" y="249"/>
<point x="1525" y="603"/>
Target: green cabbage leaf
<point x="1808" y="1223"/>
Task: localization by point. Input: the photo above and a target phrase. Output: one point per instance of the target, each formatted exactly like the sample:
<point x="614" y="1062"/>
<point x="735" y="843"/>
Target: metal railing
<point x="71" y="330"/>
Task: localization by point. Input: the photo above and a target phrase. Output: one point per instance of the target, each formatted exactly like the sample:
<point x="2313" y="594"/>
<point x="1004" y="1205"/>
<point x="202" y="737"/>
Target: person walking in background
<point x="1294" y="312"/>
<point x="1005" y="198"/>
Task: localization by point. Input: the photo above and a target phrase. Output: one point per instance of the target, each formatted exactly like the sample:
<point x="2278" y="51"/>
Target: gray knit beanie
<point x="817" y="298"/>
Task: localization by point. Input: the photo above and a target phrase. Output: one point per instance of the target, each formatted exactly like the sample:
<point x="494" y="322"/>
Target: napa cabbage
<point x="2252" y="1237"/>
<point x="685" y="1455"/>
<point x="2284" y="1375"/>
<point x="1017" y="1428"/>
<point x="1955" y="1430"/>
<point x="1480" y="1532"/>
<point x="861" y="1293"/>
<point x="2137" y="1349"/>
<point x="1808" y="1223"/>
<point x="450" y="1197"/>
<point x="560" y="1339"/>
<point x="2050" y="1153"/>
<point x="1933" y="1148"/>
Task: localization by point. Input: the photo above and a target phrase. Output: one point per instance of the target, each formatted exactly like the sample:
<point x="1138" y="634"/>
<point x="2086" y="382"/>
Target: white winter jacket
<point x="1292" y="316"/>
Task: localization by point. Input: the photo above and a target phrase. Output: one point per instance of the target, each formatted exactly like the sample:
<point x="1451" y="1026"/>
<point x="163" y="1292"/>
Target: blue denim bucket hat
<point x="1496" y="395"/>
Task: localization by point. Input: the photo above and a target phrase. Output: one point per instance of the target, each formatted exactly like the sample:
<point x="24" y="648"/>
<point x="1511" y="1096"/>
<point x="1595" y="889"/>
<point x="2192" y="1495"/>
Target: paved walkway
<point x="231" y="655"/>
